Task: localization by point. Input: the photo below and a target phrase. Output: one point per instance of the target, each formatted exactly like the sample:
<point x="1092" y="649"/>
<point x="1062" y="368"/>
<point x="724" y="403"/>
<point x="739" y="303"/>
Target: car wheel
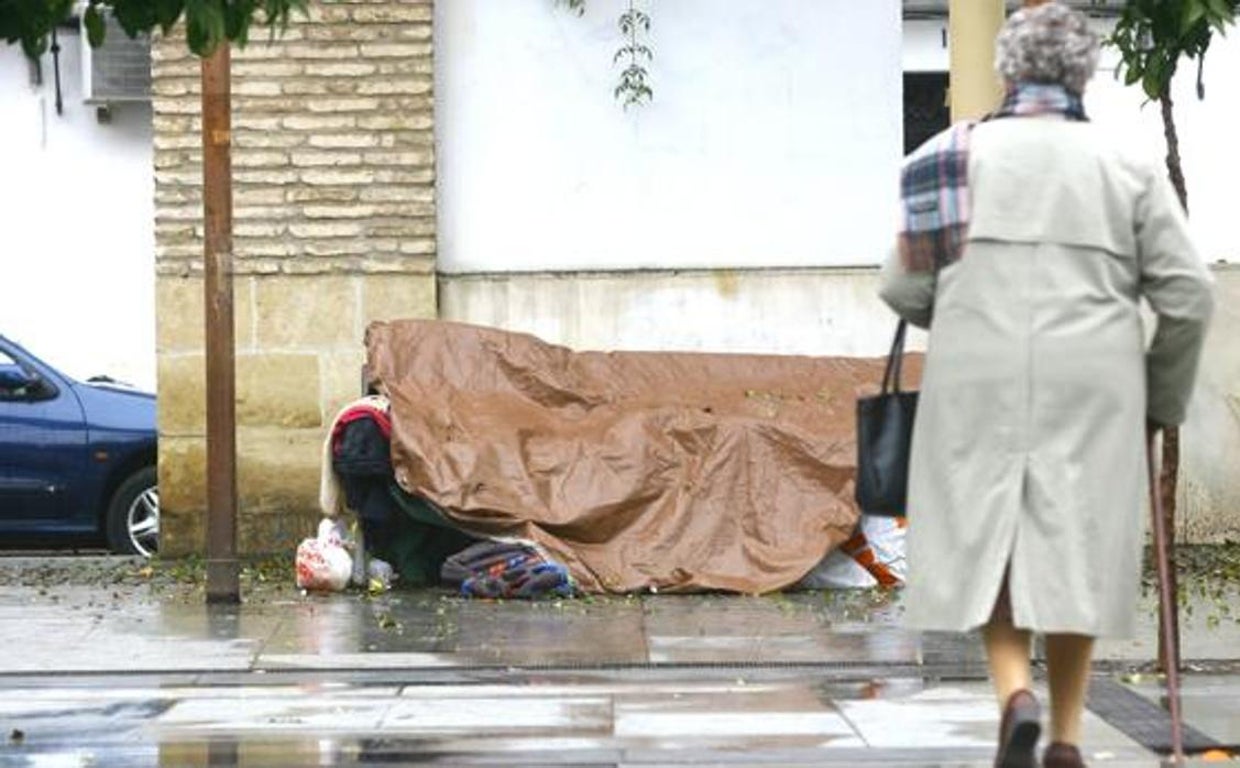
<point x="133" y="515"/>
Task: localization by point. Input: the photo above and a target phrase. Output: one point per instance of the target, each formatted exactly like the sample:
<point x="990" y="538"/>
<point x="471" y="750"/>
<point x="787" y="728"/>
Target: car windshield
<point x="5" y="357"/>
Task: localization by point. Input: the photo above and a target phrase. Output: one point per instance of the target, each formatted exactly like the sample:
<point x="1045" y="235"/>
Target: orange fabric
<point x="858" y="548"/>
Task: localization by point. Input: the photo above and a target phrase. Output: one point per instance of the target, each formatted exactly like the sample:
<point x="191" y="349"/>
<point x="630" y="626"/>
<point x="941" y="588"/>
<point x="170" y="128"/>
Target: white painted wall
<point x="1207" y="128"/>
<point x="772" y="140"/>
<point x="77" y="234"/>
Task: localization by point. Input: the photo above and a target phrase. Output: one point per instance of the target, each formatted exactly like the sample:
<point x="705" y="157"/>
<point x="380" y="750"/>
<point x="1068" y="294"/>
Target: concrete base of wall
<point x="299" y="357"/>
<point x="823" y="312"/>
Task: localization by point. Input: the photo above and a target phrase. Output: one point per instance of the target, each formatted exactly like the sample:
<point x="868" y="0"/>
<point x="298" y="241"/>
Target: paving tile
<point x="1210" y="704"/>
<point x="950" y="715"/>
<point x="953" y="757"/>
<point x="587" y="687"/>
<point x="962" y="651"/>
<point x="343" y="624"/>
<point x="38" y="634"/>
<point x="556" y="716"/>
<point x="551" y="632"/>
<point x="943" y="717"/>
<point x="118" y="654"/>
<point x="734" y="616"/>
<point x="178" y="692"/>
<point x="799" y="627"/>
<point x="687" y="649"/>
<point x="74" y="685"/>
<point x="730" y="726"/>
<point x="250" y="714"/>
<point x="49" y="723"/>
<point x="353" y="661"/>
<point x="505" y="751"/>
<point x="474" y="632"/>
<point x="580" y="720"/>
<point x="776" y="712"/>
<point x="194" y="620"/>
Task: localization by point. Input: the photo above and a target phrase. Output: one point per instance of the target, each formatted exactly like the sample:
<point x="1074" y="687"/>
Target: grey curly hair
<point x="1050" y="43"/>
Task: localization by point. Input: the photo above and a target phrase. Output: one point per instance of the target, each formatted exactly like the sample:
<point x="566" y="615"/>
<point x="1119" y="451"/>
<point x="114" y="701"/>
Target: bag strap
<point x="895" y="359"/>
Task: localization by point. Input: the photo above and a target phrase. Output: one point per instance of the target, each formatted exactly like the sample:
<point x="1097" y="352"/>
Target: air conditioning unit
<point x="119" y="70"/>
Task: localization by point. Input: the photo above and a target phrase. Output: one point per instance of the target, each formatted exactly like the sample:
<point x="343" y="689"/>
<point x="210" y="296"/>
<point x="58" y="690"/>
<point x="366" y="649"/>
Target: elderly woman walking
<point x="1028" y="242"/>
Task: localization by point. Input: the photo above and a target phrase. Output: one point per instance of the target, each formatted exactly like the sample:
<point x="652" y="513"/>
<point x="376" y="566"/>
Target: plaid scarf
<point x="934" y="182"/>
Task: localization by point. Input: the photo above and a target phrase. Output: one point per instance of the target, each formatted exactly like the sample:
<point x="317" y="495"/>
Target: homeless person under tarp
<point x="504" y="466"/>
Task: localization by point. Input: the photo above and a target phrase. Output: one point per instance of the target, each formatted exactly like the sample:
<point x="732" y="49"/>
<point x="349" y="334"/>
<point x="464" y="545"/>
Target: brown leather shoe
<point x="1018" y="731"/>
<point x="1060" y="755"/>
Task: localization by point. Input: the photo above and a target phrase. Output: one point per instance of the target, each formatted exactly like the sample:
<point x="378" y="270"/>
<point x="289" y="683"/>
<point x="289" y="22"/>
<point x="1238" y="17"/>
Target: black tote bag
<point x="884" y="436"/>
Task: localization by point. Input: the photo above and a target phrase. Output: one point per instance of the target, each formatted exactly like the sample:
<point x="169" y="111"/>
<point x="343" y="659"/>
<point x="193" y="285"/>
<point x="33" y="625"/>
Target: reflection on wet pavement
<point x="438" y="629"/>
<point x="121" y="676"/>
<point x="80" y="632"/>
<point x="564" y="719"/>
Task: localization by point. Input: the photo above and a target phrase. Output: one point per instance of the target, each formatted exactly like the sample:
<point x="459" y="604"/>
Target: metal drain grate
<point x="1140" y="719"/>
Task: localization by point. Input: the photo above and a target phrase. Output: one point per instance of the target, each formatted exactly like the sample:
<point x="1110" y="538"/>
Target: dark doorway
<point x="925" y="107"/>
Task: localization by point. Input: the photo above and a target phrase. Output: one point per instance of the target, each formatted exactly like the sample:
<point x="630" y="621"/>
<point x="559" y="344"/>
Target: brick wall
<point x="334" y="226"/>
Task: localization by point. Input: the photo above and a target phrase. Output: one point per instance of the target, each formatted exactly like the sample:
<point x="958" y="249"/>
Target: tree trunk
<point x="1174" y="168"/>
<point x="1170" y="474"/>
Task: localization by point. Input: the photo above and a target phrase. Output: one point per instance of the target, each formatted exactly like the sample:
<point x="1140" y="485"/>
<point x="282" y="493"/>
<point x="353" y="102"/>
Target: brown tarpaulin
<point x="674" y="471"/>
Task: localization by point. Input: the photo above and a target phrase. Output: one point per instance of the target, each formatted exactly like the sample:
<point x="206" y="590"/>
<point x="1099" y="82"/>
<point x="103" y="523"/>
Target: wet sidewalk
<point x="124" y="673"/>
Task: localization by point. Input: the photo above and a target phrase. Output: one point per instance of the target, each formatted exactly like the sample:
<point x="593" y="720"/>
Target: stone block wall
<point x="334" y="226"/>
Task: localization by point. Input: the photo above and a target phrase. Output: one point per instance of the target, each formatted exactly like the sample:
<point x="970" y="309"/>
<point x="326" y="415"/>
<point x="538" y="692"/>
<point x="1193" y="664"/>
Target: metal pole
<point x="223" y="572"/>
<point x="1169" y="652"/>
<point x="973" y="26"/>
<point x="1166" y="601"/>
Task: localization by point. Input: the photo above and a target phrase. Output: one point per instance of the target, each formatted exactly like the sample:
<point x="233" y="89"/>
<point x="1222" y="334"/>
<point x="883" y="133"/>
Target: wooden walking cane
<point x="1165" y="598"/>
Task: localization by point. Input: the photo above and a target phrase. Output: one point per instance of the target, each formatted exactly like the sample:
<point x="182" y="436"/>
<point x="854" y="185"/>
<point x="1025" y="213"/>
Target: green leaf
<point x="95" y="27"/>
<point x="34" y="46"/>
<point x="238" y="15"/>
<point x="167" y="12"/>
<point x="134" y="16"/>
<point x="205" y="25"/>
<point x="60" y="10"/>
<point x="1156" y="77"/>
<point x="1194" y="11"/>
<point x="1219" y="9"/>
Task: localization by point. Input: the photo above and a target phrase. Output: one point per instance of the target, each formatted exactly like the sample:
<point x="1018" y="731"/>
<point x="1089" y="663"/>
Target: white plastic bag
<point x="838" y="570"/>
<point x="874" y="556"/>
<point x="322" y="563"/>
<point x="885" y="535"/>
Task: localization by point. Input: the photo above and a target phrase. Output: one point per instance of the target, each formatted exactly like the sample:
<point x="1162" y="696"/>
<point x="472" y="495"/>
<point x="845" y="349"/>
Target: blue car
<point x="77" y="459"/>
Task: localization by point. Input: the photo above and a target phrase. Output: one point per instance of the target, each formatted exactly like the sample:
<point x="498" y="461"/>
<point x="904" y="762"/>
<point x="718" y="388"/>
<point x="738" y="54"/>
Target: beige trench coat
<point x="1028" y="448"/>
